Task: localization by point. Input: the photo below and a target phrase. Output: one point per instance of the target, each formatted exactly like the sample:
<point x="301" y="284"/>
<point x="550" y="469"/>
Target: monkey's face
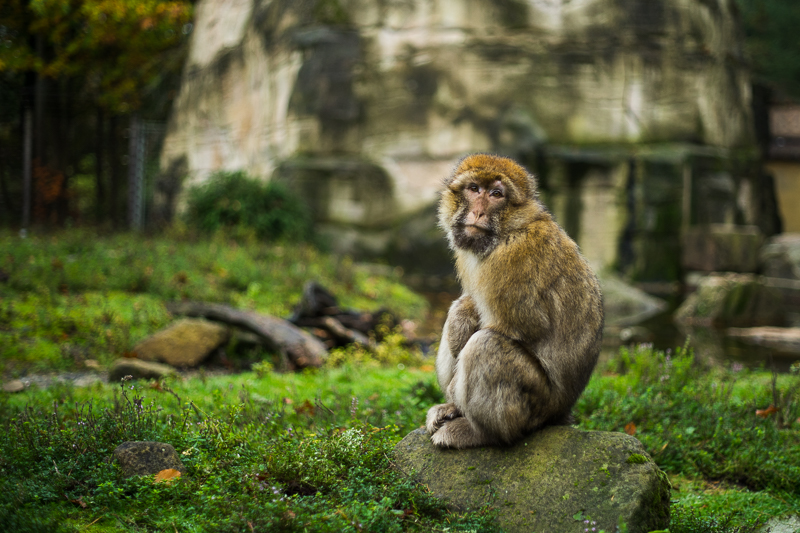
<point x="476" y="227"/>
<point x="482" y="200"/>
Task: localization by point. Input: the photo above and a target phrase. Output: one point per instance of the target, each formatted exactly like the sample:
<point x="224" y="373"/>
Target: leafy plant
<point x="235" y="200"/>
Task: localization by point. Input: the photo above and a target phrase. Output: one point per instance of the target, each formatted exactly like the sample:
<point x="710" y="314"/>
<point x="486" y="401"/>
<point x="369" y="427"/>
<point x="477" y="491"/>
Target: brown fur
<point x="520" y="344"/>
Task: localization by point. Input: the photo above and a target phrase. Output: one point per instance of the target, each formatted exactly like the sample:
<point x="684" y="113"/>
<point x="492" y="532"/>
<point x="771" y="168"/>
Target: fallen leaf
<point x="305" y="408"/>
<point x="167" y="475"/>
<point x="764" y="413"/>
<point x="426" y="368"/>
<point x="630" y="428"/>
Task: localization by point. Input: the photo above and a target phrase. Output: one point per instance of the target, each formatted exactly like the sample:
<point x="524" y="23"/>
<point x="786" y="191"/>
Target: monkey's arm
<point x="462" y="322"/>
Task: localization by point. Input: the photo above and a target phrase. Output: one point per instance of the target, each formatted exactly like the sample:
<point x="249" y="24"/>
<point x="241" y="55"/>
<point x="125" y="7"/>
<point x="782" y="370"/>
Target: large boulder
<point x="552" y="481"/>
<point x="730" y="299"/>
<point x="185" y="343"/>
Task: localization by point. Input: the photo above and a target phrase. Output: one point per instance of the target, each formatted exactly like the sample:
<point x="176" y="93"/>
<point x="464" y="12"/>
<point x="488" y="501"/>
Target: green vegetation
<point x="235" y="201"/>
<point x="77" y="296"/>
<point x="311" y="451"/>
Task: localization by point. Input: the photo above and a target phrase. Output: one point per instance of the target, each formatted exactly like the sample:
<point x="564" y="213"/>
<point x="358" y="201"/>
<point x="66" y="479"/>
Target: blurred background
<point x="665" y="134"/>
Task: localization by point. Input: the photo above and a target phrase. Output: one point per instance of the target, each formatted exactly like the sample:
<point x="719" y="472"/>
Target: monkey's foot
<point x="458" y="433"/>
<point x="439" y="414"/>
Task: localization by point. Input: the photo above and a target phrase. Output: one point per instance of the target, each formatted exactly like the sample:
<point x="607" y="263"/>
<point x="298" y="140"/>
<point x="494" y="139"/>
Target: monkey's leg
<point x="501" y="390"/>
<point x="462" y="322"/>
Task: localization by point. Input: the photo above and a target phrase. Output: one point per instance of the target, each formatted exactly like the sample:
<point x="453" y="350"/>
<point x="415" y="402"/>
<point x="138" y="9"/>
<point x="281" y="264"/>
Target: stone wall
<point x="365" y="105"/>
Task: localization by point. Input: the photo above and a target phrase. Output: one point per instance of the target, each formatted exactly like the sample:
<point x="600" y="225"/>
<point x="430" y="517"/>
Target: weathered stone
<point x="786" y="340"/>
<point x="625" y="305"/>
<point x="732" y="300"/>
<point x="722" y="248"/>
<point x="142" y="458"/>
<point x="781" y="524"/>
<point x="552" y="481"/>
<point x="137" y="369"/>
<point x="364" y="107"/>
<point x="780" y="256"/>
<point x="14" y="385"/>
<point x="183" y="344"/>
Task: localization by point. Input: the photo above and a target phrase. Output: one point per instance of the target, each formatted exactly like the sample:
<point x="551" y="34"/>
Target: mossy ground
<point x="309" y="451"/>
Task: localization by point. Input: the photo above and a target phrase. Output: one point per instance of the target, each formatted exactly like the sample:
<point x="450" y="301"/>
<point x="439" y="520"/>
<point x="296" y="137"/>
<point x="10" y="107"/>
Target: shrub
<point x="233" y="200"/>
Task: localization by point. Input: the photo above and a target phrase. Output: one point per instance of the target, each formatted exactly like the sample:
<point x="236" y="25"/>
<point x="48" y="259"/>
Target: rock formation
<point x="552" y="481"/>
<point x="628" y="111"/>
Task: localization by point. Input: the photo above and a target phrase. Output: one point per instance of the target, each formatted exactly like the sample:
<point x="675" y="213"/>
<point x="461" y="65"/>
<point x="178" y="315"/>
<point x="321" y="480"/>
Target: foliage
<point x="772" y="43"/>
<point x="254" y="464"/>
<point x="392" y="350"/>
<point x="235" y="200"/>
<point x="73" y="296"/>
<point x="119" y="47"/>
<point x="702" y="424"/>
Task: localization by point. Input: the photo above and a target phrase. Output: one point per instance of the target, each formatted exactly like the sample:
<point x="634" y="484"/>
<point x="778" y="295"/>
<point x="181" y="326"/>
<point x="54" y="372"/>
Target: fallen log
<point x="297" y="348"/>
<point x="319" y="310"/>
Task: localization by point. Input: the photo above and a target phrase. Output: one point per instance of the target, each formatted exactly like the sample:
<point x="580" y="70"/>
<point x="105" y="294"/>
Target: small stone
<point x="13" y="386"/>
<point x="137" y="369"/>
<point x="142" y="458"/>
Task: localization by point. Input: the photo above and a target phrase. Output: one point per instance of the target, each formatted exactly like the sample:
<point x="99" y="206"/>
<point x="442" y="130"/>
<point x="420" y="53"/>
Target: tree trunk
<point x="99" y="188"/>
<point x="113" y="152"/>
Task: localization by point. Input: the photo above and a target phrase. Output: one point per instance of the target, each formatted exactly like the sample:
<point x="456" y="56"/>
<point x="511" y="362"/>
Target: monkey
<point x="519" y="345"/>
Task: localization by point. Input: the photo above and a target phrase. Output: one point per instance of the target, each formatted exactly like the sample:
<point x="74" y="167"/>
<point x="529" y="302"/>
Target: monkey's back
<point x="537" y="289"/>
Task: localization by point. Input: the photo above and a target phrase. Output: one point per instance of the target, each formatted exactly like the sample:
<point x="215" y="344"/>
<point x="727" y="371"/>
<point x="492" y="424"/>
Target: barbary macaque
<point x="519" y="345"/>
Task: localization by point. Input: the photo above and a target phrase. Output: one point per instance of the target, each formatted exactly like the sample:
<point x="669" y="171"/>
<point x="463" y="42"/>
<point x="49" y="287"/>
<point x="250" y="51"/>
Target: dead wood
<point x="295" y="346"/>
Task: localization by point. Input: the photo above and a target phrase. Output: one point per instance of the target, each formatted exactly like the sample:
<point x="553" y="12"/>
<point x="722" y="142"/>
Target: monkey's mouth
<point x="473" y="229"/>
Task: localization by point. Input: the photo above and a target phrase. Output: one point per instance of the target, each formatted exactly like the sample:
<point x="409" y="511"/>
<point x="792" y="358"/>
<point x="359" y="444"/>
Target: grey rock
<point x="552" y="481"/>
<point x="722" y="248"/>
<point x="137" y="369"/>
<point x="364" y="108"/>
<point x="780" y="256"/>
<point x="142" y="458"/>
<point x="625" y="305"/>
<point x="778" y="524"/>
<point x="185" y="343"/>
<point x="730" y="299"/>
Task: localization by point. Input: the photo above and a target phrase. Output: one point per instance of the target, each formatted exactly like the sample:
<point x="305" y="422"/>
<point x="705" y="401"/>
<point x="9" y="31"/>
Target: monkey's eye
<point x="497" y="193"/>
<point x="472" y="187"/>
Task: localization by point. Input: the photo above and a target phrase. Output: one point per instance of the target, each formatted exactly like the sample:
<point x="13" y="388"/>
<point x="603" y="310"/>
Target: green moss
<point x="637" y="459"/>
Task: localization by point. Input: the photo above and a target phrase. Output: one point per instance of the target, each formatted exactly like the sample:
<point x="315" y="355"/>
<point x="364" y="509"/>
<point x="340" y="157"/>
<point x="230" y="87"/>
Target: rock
<point x="183" y="344"/>
<point x="722" y="248"/>
<point x="552" y="481"/>
<point x="785" y="340"/>
<point x="142" y="458"/>
<point x="14" y="385"/>
<point x="786" y="524"/>
<point x="625" y="305"/>
<point x="732" y="300"/>
<point x="138" y="369"/>
<point x="780" y="256"/>
<point x="364" y="107"/>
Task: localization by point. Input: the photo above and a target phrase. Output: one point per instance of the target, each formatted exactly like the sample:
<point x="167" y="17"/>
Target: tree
<point x="773" y="42"/>
<point x="76" y="59"/>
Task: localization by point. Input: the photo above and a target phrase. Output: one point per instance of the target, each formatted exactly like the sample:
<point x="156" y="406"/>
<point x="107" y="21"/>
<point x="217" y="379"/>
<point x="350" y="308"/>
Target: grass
<point x="76" y="296"/>
<point x="310" y="451"/>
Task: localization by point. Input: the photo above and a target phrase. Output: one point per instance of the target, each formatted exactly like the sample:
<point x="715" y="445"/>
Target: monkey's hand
<point x="439" y="414"/>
